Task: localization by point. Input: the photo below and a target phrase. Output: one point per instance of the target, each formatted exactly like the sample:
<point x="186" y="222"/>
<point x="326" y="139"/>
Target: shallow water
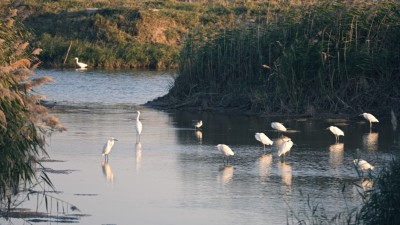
<point x="175" y="175"/>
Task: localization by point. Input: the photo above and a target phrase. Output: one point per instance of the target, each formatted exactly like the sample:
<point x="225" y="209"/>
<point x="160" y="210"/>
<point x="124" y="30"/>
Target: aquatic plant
<point x="24" y="122"/>
<point x="382" y="202"/>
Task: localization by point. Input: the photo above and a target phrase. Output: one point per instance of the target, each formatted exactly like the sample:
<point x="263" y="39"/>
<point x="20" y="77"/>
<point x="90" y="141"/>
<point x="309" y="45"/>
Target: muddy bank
<point x="169" y="103"/>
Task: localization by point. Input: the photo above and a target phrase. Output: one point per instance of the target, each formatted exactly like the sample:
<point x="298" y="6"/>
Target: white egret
<point x="371" y="118"/>
<point x="279" y="141"/>
<point x="107" y="148"/>
<point x="138" y="126"/>
<point x="336" y="131"/>
<point x="198" y="124"/>
<point x="285" y="148"/>
<point x="226" y="150"/>
<point x="266" y="66"/>
<point x="363" y="165"/>
<point x="261" y="137"/>
<point x="278" y="126"/>
<point x="80" y="64"/>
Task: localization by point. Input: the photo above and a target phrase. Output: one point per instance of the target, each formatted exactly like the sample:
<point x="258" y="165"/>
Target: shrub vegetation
<point x="327" y="57"/>
<point x="23" y="122"/>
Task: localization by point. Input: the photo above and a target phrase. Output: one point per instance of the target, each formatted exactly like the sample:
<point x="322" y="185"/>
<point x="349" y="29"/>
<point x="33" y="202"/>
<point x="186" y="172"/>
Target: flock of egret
<point x="287" y="143"/>
<point x="283" y="148"/>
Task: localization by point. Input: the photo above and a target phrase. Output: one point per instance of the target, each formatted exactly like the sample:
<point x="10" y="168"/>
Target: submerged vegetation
<point x="325" y="57"/>
<point x="23" y="122"/>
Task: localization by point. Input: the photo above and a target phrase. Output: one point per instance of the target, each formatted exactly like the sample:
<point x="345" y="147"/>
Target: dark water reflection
<point x="175" y="174"/>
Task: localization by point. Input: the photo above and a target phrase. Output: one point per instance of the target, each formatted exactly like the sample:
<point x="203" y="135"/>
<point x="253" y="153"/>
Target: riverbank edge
<point x="165" y="105"/>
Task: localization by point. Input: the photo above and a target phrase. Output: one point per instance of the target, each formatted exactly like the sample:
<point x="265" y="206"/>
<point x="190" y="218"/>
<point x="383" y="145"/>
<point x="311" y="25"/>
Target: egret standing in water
<point x="138" y="126"/>
<point x="336" y="131"/>
<point x="80" y="64"/>
<point x="362" y="165"/>
<point x="285" y="148"/>
<point x="261" y="137"/>
<point x="371" y="119"/>
<point x="278" y="127"/>
<point x="107" y="148"/>
<point x="198" y="124"/>
<point x="226" y="150"/>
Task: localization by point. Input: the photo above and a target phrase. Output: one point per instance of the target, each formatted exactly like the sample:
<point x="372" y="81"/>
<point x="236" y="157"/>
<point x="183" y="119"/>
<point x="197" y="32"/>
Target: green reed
<point x="330" y="56"/>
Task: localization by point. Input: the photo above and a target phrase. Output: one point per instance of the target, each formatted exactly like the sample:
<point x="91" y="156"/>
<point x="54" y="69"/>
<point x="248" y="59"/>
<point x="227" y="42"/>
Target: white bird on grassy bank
<point x="80" y="64"/>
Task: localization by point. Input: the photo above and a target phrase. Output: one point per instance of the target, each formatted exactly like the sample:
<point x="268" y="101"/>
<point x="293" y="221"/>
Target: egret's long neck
<point x="137" y="118"/>
<point x="76" y="60"/>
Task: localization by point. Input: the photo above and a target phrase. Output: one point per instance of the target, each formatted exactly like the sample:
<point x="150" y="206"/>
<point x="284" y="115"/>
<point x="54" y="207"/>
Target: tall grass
<point x="23" y="122"/>
<point x="328" y="56"/>
<point x="382" y="203"/>
<point x="128" y="33"/>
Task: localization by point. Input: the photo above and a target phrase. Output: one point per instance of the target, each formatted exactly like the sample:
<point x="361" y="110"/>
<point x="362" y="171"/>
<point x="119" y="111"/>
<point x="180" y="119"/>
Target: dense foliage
<point x="23" y="122"/>
<point x="329" y="56"/>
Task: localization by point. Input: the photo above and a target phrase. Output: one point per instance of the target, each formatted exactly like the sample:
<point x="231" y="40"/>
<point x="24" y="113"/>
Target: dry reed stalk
<point x="3" y="120"/>
<point x="22" y="63"/>
<point x="37" y="82"/>
<point x="37" y="51"/>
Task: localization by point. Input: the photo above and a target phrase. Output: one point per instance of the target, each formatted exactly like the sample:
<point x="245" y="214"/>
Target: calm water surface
<point x="175" y="175"/>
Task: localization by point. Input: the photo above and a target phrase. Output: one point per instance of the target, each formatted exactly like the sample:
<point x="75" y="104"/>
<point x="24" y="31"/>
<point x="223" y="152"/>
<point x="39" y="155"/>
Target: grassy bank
<point x="125" y="34"/>
<point x="326" y="57"/>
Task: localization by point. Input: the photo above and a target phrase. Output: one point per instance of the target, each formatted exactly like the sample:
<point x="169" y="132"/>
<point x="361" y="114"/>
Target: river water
<point x="176" y="175"/>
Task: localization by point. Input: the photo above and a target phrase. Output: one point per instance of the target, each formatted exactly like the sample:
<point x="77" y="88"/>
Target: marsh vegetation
<point x="332" y="57"/>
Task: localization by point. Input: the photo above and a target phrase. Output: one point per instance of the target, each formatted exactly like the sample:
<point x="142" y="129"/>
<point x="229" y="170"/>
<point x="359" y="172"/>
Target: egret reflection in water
<point x="286" y="173"/>
<point x="138" y="149"/>
<point x="370" y="141"/>
<point x="199" y="135"/>
<point x="108" y="174"/>
<point x="265" y="163"/>
<point x="367" y="184"/>
<point x="227" y="174"/>
<point x="336" y="155"/>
